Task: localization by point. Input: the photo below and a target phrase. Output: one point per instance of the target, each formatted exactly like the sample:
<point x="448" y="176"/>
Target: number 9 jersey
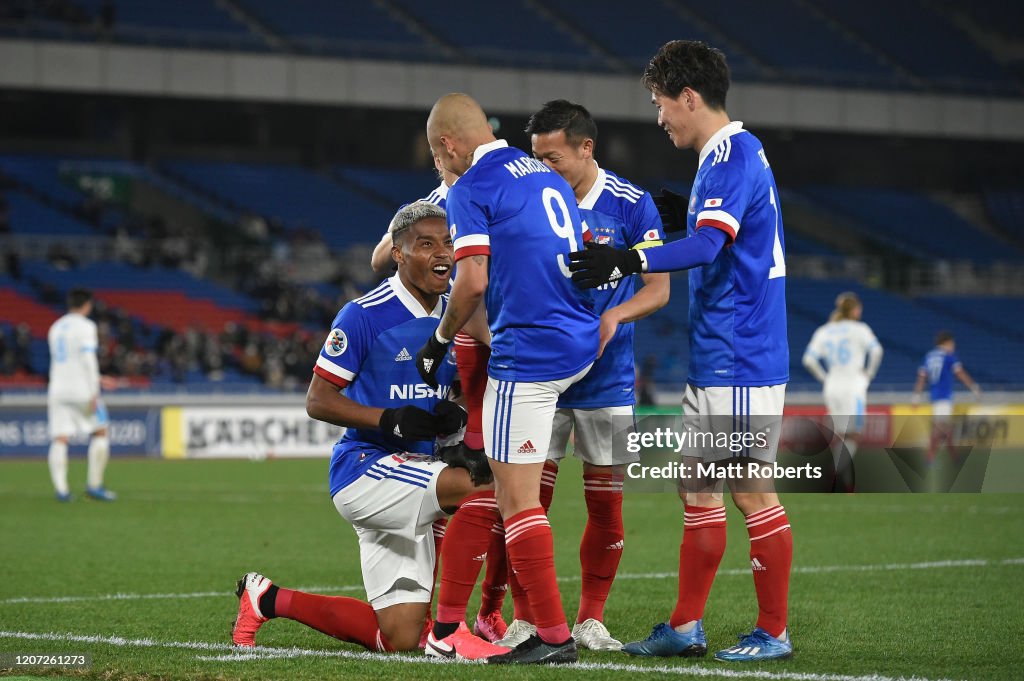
<point x="521" y="214"/>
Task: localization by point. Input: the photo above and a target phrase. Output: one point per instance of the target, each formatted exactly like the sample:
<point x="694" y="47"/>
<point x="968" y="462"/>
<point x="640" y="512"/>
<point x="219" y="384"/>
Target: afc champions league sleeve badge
<point x="336" y="343"/>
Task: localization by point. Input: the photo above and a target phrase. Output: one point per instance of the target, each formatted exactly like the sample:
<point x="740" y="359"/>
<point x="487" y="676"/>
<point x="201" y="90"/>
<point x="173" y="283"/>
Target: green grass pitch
<point x="923" y="586"/>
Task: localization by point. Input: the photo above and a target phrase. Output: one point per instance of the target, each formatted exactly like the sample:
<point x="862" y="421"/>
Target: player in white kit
<point x="852" y="355"/>
<point x="73" y="398"/>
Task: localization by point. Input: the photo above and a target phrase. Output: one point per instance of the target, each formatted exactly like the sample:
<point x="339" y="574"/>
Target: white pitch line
<point x="228" y="653"/>
<point x="731" y="572"/>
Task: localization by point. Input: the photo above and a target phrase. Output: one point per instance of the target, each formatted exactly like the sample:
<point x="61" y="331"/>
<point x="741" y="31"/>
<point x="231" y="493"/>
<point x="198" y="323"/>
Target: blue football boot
<point x="757" y="646"/>
<point x="101" y="494"/>
<point x="665" y="641"/>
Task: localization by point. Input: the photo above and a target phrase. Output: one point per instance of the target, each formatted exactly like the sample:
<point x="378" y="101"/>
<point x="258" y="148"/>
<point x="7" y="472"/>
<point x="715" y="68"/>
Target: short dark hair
<point x="689" y="63"/>
<point x="77" y="297"/>
<point x="943" y="337"/>
<point x="409" y="215"/>
<point x="561" y="114"/>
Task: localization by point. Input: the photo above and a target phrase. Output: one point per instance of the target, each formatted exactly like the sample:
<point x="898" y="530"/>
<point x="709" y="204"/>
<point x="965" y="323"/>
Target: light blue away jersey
<point x="523" y="215"/>
<point x="738" y="302"/>
<point x="370" y="353"/>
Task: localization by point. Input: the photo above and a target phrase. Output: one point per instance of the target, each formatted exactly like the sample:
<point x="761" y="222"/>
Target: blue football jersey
<point x="370" y="353"/>
<point x="738" y="331"/>
<point x="438" y="196"/>
<point x="521" y="214"/>
<point x="619" y="214"/>
<point x="939" y="365"/>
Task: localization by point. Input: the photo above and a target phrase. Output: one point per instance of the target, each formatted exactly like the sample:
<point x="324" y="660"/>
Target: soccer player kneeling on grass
<point x="385" y="477"/>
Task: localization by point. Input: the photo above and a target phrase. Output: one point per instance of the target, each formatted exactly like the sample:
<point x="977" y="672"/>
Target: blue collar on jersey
<point x="409" y="300"/>
<point x="727" y="130"/>
<point x="483" y="149"/>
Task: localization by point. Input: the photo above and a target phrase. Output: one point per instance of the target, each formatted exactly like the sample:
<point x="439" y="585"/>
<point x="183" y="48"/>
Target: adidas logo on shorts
<point x="527" y="448"/>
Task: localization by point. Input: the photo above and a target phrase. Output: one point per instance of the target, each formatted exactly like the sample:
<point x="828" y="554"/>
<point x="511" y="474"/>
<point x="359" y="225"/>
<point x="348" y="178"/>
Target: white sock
<point x="58" y="460"/>
<point x="99" y="452"/>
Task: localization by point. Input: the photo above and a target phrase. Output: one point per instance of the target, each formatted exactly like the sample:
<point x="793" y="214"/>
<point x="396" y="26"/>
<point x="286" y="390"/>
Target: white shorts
<point x="942" y="410"/>
<point x="518" y="418"/>
<point x="69" y="419"/>
<point x="392" y="507"/>
<point x="731" y="412"/>
<point x="600" y="435"/>
<point x="846" y="408"/>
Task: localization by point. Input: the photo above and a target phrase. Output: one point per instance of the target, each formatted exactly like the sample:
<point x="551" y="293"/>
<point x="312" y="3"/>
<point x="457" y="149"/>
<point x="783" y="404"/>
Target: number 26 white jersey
<point x="843" y="346"/>
<point x="74" y="368"/>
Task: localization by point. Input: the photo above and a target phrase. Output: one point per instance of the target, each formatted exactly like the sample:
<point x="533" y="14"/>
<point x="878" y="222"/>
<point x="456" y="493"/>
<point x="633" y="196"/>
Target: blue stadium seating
<point x="913" y="223"/>
<point x="29" y="216"/>
<point x="1006" y="207"/>
<point x="398" y="186"/>
<point x="509" y="33"/>
<point x="924" y="42"/>
<point x="297" y="197"/>
<point x="195" y="23"/>
<point x="359" y="29"/>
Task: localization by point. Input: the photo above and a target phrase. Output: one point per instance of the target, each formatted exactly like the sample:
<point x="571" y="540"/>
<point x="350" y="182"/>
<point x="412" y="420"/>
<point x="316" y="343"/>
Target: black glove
<point x="450" y="417"/>
<point x="409" y="422"/>
<point x="429" y="358"/>
<point x="673" y="208"/>
<point x="473" y="460"/>
<point x="599" y="264"/>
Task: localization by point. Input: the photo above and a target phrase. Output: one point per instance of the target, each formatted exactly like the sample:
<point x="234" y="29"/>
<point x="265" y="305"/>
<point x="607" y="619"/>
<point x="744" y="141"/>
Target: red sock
<point x="438" y="529"/>
<point x="601" y="548"/>
<point x="495" y="584"/>
<point x="520" y="605"/>
<point x="532" y="554"/>
<point x="346" y="619"/>
<point x="547" y="484"/>
<point x="471" y="358"/>
<point x="771" y="555"/>
<point x="699" y="556"/>
<point x="467" y="539"/>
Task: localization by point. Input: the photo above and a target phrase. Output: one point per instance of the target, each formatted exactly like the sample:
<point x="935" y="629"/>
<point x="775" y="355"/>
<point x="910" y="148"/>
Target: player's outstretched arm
<point x="650" y="298"/>
<point x="922" y="376"/>
<point x="325" y="403"/>
<point x="467" y="292"/>
<point x="966" y="379"/>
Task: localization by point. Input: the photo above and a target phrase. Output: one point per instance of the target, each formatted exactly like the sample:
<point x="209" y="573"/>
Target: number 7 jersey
<point x="522" y="215"/>
<point x="738" y="331"/>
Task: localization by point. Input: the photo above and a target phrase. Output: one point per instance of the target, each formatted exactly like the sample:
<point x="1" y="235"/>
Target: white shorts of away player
<point x="392" y="507"/>
<point x="735" y="409"/>
<point x="518" y="418"/>
<point x="942" y="410"/>
<point x="599" y="435"/>
<point x="846" y="405"/>
<point x="70" y="419"/>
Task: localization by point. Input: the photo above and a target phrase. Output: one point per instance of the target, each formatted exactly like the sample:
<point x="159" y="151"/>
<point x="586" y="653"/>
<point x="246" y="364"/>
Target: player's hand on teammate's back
<point x="450" y="417"/>
<point x="429" y="358"/>
<point x="672" y="207"/>
<point x="410" y="423"/>
<point x="599" y="264"/>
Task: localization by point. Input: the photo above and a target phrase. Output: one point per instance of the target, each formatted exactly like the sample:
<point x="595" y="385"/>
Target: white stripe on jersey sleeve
<point x="719" y="216"/>
<point x="472" y="240"/>
<point x="333" y="368"/>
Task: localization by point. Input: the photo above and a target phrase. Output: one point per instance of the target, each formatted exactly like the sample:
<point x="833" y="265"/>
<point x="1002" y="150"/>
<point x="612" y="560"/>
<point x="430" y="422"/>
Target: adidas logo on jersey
<point x="756" y="566"/>
<point x="403" y="356"/>
<point x="617" y="546"/>
<point x="482" y="557"/>
<point x="527" y="448"/>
